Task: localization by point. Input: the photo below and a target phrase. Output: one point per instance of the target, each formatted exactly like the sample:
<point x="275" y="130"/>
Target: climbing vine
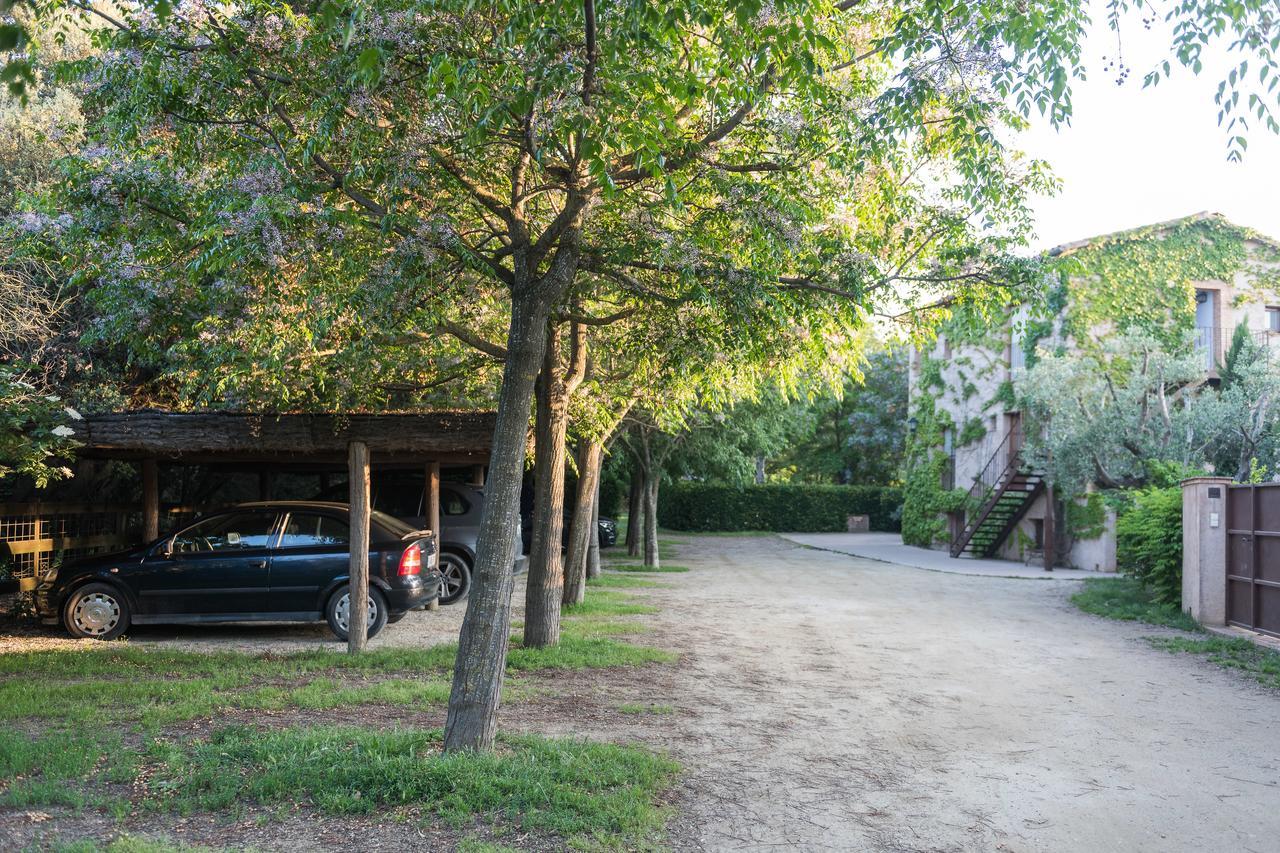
<point x="1145" y="280"/>
<point x="925" y="501"/>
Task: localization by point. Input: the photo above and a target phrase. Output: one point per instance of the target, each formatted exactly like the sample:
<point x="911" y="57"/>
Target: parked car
<point x="403" y="495"/>
<point x="607" y="529"/>
<point x="282" y="561"/>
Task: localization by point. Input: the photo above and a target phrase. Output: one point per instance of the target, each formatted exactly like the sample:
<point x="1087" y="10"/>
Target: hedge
<point x="1149" y="542"/>
<point x="781" y="507"/>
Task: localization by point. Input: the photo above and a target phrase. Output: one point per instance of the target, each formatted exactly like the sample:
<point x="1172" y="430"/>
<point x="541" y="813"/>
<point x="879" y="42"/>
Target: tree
<point x="766" y="162"/>
<point x="1103" y="414"/>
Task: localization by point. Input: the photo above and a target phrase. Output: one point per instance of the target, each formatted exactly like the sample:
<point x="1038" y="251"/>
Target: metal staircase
<point x="1004" y="491"/>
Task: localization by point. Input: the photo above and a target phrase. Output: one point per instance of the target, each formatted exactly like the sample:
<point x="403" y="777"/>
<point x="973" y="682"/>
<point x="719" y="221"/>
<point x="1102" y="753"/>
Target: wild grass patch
<point x="572" y="788"/>
<point x="625" y="581"/>
<point x="1258" y="662"/>
<point x="1126" y="599"/>
<point x="640" y="567"/>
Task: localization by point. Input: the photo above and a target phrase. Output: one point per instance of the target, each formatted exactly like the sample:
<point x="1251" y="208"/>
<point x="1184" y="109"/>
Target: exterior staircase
<point x="1004" y="491"/>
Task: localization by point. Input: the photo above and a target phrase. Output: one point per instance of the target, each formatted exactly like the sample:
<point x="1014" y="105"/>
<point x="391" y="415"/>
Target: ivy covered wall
<point x="1144" y="279"/>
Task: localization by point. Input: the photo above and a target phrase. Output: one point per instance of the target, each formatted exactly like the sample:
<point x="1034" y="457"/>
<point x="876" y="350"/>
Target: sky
<point x="1135" y="156"/>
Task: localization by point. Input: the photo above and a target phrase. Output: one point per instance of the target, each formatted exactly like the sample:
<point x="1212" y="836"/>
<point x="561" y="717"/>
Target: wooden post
<point x="477" y="475"/>
<point x="431" y="509"/>
<point x="150" y="500"/>
<point x="358" y="478"/>
<point x="1050" y="532"/>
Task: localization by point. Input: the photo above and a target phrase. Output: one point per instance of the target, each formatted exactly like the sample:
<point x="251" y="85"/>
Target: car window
<point x="308" y="530"/>
<point x="400" y="498"/>
<point x="235" y="532"/>
<point x="452" y="503"/>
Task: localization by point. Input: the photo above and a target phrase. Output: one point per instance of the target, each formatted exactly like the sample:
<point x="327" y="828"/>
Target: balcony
<point x="1211" y="344"/>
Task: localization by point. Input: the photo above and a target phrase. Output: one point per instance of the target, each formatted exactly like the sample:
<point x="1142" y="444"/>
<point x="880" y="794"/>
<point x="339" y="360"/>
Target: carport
<point x="268" y="446"/>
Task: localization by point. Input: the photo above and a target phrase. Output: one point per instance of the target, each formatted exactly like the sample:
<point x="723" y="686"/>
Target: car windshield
<point x="235" y="532"/>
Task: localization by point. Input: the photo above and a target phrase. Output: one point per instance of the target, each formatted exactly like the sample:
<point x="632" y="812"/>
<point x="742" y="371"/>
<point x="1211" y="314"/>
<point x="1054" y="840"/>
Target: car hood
<point x="135" y="553"/>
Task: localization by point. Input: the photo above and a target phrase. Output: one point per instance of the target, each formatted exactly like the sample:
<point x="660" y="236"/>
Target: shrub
<point x="1149" y="542"/>
<point x="793" y="508"/>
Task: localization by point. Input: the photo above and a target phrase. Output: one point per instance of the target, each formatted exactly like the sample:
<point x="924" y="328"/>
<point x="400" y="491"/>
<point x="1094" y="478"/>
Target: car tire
<point x="456" y="572"/>
<point x="336" y="612"/>
<point x="96" y="611"/>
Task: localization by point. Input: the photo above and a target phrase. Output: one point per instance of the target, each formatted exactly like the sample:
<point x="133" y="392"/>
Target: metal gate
<point x="1253" y="557"/>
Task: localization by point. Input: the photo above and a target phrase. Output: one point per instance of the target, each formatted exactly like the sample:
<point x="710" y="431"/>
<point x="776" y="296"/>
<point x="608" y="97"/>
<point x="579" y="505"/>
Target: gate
<point x="1253" y="557"/>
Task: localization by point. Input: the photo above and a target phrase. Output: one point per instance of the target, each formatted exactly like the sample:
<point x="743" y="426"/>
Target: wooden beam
<point x="205" y="434"/>
<point x="150" y="500"/>
<point x="477" y="475"/>
<point x="358" y="478"/>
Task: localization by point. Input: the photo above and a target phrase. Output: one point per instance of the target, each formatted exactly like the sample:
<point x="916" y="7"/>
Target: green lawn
<point x="118" y="728"/>
<point x="1126" y="599"/>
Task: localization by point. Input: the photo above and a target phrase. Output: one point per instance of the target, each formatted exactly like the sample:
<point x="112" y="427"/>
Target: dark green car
<point x="284" y="561"/>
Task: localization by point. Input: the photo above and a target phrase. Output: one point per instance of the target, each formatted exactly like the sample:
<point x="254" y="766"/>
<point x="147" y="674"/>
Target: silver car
<point x="403" y="495"/>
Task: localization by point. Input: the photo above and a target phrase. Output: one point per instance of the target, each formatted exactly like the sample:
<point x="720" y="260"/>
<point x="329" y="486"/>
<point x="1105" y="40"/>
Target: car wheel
<point x="456" y="578"/>
<point x="338" y="612"/>
<point x="97" y="611"/>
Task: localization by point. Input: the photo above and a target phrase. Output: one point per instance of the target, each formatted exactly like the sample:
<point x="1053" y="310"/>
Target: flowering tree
<point x="301" y="197"/>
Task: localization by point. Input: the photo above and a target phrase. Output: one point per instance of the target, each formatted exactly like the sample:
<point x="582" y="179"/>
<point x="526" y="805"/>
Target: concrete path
<point x="826" y="702"/>
<point x="888" y="548"/>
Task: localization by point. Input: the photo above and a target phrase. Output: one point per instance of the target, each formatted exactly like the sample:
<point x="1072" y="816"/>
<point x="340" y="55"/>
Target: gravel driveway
<point x="832" y="702"/>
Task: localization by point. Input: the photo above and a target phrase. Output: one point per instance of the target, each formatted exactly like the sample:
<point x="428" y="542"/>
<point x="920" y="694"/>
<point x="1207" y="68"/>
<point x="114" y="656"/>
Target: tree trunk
<point x="651" y="557"/>
<point x="358" y="585"/>
<point x="482" y="644"/>
<point x="760" y="460"/>
<point x="583" y="529"/>
<point x="545" y="585"/>
<point x="593" y="544"/>
<point x="635" y="512"/>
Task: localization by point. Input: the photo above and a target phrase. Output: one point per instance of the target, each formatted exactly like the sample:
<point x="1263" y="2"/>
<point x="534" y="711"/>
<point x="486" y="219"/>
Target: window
<point x="305" y="530"/>
<point x="235" y="532"/>
<point x="1038" y="533"/>
<point x="1273" y="318"/>
<point x="452" y="503"/>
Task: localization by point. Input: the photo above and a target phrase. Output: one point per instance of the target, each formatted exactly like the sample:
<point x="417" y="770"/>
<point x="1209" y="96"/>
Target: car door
<point x="313" y="550"/>
<point x="218" y="567"/>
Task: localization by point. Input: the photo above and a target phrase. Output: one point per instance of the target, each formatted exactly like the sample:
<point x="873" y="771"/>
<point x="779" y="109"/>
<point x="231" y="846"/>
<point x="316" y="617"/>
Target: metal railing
<point x="1212" y="342"/>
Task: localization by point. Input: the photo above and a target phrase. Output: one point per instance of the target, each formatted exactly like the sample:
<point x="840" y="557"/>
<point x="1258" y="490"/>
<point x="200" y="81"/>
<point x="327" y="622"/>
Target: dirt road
<point x="829" y="702"/>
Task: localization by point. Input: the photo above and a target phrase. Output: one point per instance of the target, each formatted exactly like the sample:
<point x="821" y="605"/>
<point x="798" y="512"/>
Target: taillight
<point x="411" y="560"/>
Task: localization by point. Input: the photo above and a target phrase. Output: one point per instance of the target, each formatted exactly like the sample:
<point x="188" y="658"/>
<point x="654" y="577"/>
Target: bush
<point x="781" y="507"/>
<point x="1149" y="543"/>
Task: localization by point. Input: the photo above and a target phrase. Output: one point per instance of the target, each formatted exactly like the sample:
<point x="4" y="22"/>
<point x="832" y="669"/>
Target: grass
<point x="608" y="603"/>
<point x="625" y="581"/>
<point x="1258" y="662"/>
<point x="125" y="844"/>
<point x="579" y="790"/>
<point x="641" y="708"/>
<point x="111" y="724"/>
<point x="1127" y="599"/>
<point x="640" y="567"/>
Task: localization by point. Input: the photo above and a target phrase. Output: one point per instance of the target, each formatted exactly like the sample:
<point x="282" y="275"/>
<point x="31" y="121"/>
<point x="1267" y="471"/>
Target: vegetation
<point x="398" y="204"/>
<point x="1127" y="599"/>
<point x="1149" y="543"/>
<point x="1236" y="653"/>
<point x="121" y="716"/>
<point x="777" y="506"/>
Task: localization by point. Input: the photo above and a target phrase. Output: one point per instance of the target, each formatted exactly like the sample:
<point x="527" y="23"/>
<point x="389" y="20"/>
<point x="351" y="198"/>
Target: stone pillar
<point x="1204" y="549"/>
